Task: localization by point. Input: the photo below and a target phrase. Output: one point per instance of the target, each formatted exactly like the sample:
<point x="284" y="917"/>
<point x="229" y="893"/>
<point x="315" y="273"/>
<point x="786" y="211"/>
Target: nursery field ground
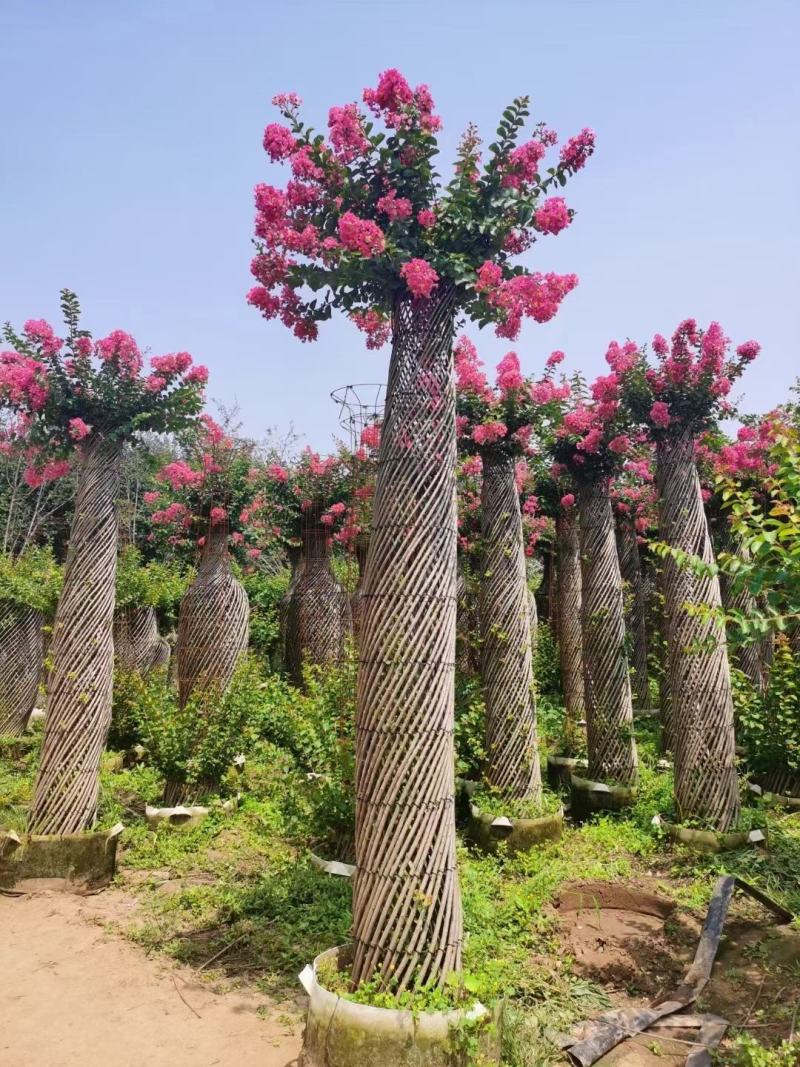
<point x="205" y="930"/>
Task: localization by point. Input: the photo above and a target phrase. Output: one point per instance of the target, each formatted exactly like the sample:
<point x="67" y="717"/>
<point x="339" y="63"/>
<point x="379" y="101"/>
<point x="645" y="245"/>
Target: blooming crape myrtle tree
<point x="304" y="504"/>
<point x="365" y="224"/>
<point x="203" y="496"/>
<point x="632" y="497"/>
<point x="79" y="400"/>
<point x="591" y="446"/>
<point x="498" y="425"/>
<point x="677" y="399"/>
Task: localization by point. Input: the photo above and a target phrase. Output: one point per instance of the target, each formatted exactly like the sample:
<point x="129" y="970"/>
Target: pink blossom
<point x="469" y="376"/>
<point x="304" y="167"/>
<point x="371" y="436"/>
<point x="426" y="218"/>
<point x="41" y="333"/>
<point x="420" y="277"/>
<point x="472" y="466"/>
<point x="553" y="216"/>
<point x="151" y="497"/>
<point x="23" y="381"/>
<point x="748" y="351"/>
<point x="361" y="235"/>
<point x="489" y="277"/>
<point x="509" y="376"/>
<point x="346" y="125"/>
<point x="621" y="444"/>
<point x="277" y="473"/>
<point x="173" y="364"/>
<point x="592" y="441"/>
<point x="577" y="150"/>
<point x="279" y="142"/>
<point x="180" y="475"/>
<point x="395" y="207"/>
<point x="78" y="429"/>
<point x="555" y="358"/>
<point x="523" y="164"/>
<point x="659" y="414"/>
<point x="567" y="500"/>
<point x="270" y="203"/>
<point x="121" y="347"/>
<point x="154" y="383"/>
<point x="218" y="515"/>
<point x="254" y="553"/>
<point x="374" y="324"/>
<point x="488" y="433"/>
<point x="287" y="101"/>
<point x="172" y="514"/>
<point x="622" y="358"/>
<point x="267" y="304"/>
<point x="198" y="374"/>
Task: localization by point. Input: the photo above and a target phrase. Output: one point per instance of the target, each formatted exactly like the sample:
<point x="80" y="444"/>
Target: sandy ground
<point x="75" y="995"/>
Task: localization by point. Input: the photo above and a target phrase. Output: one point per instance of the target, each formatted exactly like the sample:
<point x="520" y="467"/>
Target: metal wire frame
<point x="607" y="685"/>
<point x="80" y="688"/>
<point x="407" y="919"/>
<point x="706" y="784"/>
<point x="512" y="758"/>
<point x="360" y="405"/>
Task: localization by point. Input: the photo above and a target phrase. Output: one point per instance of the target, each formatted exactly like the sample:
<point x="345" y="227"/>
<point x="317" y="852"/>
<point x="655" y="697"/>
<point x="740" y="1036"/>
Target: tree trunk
<point x="570" y="638"/>
<point x="21" y="660"/>
<point x="213" y="622"/>
<point x="318" y="621"/>
<point x="607" y="684"/>
<point x="407" y="921"/>
<point x="512" y="757"/>
<point x="636" y="613"/>
<point x="702" y="707"/>
<point x="138" y="645"/>
<point x="747" y="656"/>
<point x="81" y="680"/>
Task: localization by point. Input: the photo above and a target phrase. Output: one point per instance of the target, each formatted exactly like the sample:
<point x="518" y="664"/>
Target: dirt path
<point x="75" y="995"/>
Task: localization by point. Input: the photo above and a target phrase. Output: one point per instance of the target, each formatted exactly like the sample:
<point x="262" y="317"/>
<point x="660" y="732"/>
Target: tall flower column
<point x="81" y="679"/>
<point x="406" y="903"/>
<point x="507" y="668"/>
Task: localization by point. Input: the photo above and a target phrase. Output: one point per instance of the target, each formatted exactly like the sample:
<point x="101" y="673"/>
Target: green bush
<point x="156" y="584"/>
<point x="769" y="722"/>
<point x="32" y="579"/>
<point x="546" y="667"/>
<point x="746" y="1051"/>
<point x="264" y="592"/>
<point x="470" y="728"/>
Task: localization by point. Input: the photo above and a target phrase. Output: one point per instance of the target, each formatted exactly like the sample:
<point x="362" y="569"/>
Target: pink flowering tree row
<point x="500" y="426"/>
<point x="74" y="400"/>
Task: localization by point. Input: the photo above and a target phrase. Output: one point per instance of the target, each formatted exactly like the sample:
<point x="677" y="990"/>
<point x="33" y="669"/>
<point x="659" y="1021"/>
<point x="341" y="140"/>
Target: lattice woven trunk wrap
<point x="512" y="759"/>
<point x="406" y="900"/>
<point x="748" y="657"/>
<point x="82" y="653"/>
<point x="357" y="599"/>
<point x="138" y="646"/>
<point x="21" y="659"/>
<point x="318" y="620"/>
<point x="702" y="708"/>
<point x="568" y="613"/>
<point x="607" y="685"/>
<point x="658" y="633"/>
<point x="295" y="557"/>
<point x="213" y="623"/>
<point x="636" y="608"/>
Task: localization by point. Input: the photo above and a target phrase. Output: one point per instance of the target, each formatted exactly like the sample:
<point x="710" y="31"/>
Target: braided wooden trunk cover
<point x="213" y="623"/>
<point x="295" y="557"/>
<point x="81" y="679"/>
<point x="357" y="599"/>
<point x="607" y="684"/>
<point x="636" y="613"/>
<point x="21" y="660"/>
<point x="658" y="631"/>
<point x="702" y="707"/>
<point x="748" y="657"/>
<point x="138" y="646"/>
<point x="568" y="613"/>
<point x="512" y="758"/>
<point x="406" y="901"/>
<point x="318" y="620"/>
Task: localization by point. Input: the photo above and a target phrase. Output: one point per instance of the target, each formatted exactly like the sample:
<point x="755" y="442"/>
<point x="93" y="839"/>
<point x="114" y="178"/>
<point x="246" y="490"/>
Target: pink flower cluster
<point x="120" y="348"/>
<point x="346" y="126"/>
<point x="553" y="216"/>
<point x="374" y="324"/>
<point x="179" y="475"/>
<point x="371" y="436"/>
<point x="509" y="376"/>
<point x="23" y="381"/>
<point x="489" y="433"/>
<point x="469" y="376"/>
<point x="577" y="150"/>
<point x="361" y="235"/>
<point x="78" y="429"/>
<point x="35" y="477"/>
<point x="420" y="277"/>
<point x="537" y="296"/>
<point x="395" y="207"/>
<point x="396" y="102"/>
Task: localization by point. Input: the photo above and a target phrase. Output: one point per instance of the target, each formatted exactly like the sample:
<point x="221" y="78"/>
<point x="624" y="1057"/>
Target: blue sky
<point x="132" y="139"/>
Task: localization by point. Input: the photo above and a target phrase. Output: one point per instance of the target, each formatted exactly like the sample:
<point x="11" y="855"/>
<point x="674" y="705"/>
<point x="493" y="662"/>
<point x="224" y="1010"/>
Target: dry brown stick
<point x="222" y="951"/>
<point x="753" y="1003"/>
<point x="183" y="998"/>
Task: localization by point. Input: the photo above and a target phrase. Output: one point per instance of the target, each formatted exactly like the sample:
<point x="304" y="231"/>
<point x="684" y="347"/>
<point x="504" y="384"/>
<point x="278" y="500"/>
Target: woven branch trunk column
<point x="81" y="679"/>
<point x="568" y="611"/>
<point x="607" y="684"/>
<point x="357" y="599"/>
<point x="21" y="660"/>
<point x="512" y="758"/>
<point x="658" y="630"/>
<point x="407" y="919"/>
<point x="706" y="786"/>
<point x="318" y="620"/>
<point x="636" y="614"/>
<point x="748" y="657"/>
<point x="138" y="646"/>
<point x="213" y="622"/>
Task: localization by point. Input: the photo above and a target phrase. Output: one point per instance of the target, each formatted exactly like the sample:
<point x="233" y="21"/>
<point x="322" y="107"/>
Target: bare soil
<point x="74" y="994"/>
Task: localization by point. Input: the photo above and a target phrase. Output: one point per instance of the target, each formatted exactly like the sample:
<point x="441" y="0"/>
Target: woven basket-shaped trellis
<point x="318" y="621"/>
<point x="657" y="628"/>
<point x="21" y="659"/>
<point x="138" y="646"/>
<point x="357" y="600"/>
<point x="747" y="657"/>
<point x="295" y="557"/>
<point x="81" y="679"/>
<point x="213" y="623"/>
<point x="607" y="685"/>
<point x="512" y="761"/>
<point x="406" y="903"/>
<point x="568" y="614"/>
<point x="702" y="707"/>
<point x="636" y="609"/>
